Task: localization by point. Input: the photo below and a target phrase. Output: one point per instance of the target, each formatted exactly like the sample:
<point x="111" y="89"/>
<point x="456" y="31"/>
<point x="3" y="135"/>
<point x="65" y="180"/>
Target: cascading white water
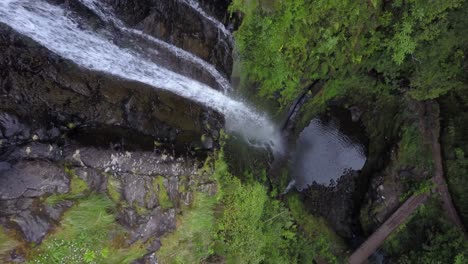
<point x="196" y="7"/>
<point x="56" y="29"/>
<point x="106" y="14"/>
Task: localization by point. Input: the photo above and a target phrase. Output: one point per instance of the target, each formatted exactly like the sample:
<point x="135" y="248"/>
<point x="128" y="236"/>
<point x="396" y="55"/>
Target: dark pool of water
<point x="328" y="148"/>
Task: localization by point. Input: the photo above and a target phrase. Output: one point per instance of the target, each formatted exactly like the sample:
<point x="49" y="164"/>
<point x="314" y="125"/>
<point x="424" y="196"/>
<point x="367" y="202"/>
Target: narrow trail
<point x="430" y="127"/>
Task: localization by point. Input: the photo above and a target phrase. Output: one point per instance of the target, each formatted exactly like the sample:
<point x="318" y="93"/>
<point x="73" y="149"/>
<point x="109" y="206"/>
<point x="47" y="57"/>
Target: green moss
<point x="77" y="185"/>
<point x="163" y="196"/>
<point x="141" y="210"/>
<point x="114" y="189"/>
<point x="78" y="188"/>
<point x="182" y="185"/>
<point x="71" y="125"/>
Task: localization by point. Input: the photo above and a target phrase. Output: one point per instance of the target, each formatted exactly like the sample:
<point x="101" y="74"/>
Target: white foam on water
<point x="56" y="29"/>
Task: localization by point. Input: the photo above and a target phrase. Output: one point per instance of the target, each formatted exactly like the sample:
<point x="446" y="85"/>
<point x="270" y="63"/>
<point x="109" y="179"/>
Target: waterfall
<point x="106" y="14"/>
<point x="62" y="33"/>
<point x="221" y="28"/>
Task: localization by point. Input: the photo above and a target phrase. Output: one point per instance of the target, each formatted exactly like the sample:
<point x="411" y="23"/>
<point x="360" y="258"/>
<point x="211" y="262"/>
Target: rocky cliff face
<point x="193" y="31"/>
<point x="141" y="146"/>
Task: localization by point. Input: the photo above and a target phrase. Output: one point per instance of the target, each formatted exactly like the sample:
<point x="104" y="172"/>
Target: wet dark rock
<point x="4" y="166"/>
<point x="54" y="212"/>
<point x="15" y="206"/>
<point x="136" y="191"/>
<point x="34" y="227"/>
<point x="148" y="259"/>
<point x="129" y="218"/>
<point x="216" y="8"/>
<point x="10" y="126"/>
<point x="159" y="222"/>
<point x="59" y="95"/>
<point x="336" y="204"/>
<point x="95" y="181"/>
<point x="386" y="189"/>
<point x="36" y="150"/>
<point x="207" y="142"/>
<point x="355" y="113"/>
<point x="59" y="121"/>
<point x="32" y="179"/>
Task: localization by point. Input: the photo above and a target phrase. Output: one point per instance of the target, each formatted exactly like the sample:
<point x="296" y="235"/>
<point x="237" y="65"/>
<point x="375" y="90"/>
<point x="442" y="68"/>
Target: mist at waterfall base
<point x="64" y="33"/>
<point x="327" y="149"/>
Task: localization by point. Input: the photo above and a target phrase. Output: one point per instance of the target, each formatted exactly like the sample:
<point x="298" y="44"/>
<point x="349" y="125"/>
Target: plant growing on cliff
<point x="240" y="224"/>
<point x="83" y="236"/>
<point x="7" y="243"/>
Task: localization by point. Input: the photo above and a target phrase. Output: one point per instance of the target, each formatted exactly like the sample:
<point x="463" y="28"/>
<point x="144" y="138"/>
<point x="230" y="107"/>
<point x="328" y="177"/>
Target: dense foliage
<point x="394" y="46"/>
<point x="242" y="223"/>
<point x="381" y="56"/>
<point x="428" y="238"/>
<point x="455" y="143"/>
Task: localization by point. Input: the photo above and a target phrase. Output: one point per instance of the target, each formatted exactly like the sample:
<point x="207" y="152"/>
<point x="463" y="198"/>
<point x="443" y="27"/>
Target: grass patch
<point x="193" y="240"/>
<point x="7" y="243"/>
<point x="85" y="236"/>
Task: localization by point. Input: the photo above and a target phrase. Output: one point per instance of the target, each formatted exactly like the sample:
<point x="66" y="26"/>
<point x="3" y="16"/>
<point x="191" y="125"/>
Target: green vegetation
<point x="380" y="56"/>
<point x="242" y="223"/>
<point x="326" y="244"/>
<point x="412" y="150"/>
<point x="7" y="243"/>
<point x="457" y="171"/>
<point x="378" y="46"/>
<point x="113" y="189"/>
<point x="160" y="189"/>
<point x="85" y="236"/>
<point x="427" y="238"/>
<point x="253" y="228"/>
<point x="455" y="143"/>
<point x="78" y="188"/>
<point x="193" y="239"/>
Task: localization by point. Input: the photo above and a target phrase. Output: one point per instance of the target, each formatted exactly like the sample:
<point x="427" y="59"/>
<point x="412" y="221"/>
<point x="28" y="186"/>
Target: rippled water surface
<point x="324" y="152"/>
